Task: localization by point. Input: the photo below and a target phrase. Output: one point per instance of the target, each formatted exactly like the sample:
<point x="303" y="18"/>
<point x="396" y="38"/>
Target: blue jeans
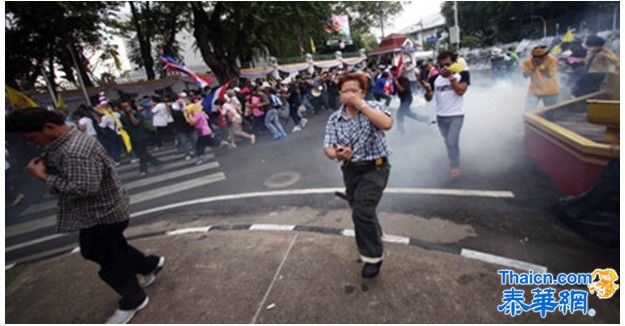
<point x="272" y="123"/>
<point x="450" y="129"/>
<point x="531" y="101"/>
<point x="404" y="111"/>
<point x="185" y="141"/>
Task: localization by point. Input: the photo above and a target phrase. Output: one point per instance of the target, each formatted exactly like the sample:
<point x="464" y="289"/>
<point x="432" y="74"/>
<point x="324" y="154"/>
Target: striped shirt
<point x="83" y="175"/>
<point x="366" y="141"/>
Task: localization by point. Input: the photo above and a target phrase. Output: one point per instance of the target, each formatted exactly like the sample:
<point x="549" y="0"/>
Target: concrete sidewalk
<point x="259" y="276"/>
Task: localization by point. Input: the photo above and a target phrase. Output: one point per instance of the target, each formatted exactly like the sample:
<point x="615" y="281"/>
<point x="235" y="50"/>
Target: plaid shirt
<point x="84" y="177"/>
<point x="358" y="133"/>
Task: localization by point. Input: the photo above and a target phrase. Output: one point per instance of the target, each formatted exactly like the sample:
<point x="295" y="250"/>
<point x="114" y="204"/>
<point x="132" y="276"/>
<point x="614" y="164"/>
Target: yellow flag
<point x="59" y="101"/>
<point x="568" y="37"/>
<point x="19" y="100"/>
<point x="120" y="130"/>
<point x="313" y="49"/>
<point x="118" y="63"/>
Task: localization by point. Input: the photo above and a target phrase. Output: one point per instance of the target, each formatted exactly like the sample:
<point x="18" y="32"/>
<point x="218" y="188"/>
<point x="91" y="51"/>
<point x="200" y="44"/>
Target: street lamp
<point x="544" y="24"/>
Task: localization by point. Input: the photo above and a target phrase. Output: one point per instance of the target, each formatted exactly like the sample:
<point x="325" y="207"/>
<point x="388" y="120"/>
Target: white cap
<point x="236" y="89"/>
<point x="182" y="94"/>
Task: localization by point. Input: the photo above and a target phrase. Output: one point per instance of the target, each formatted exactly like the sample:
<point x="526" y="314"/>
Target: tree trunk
<point x="205" y="32"/>
<point x="144" y="43"/>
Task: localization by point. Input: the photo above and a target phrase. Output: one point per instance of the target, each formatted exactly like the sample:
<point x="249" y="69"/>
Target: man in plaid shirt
<point x="355" y="136"/>
<point x="92" y="200"/>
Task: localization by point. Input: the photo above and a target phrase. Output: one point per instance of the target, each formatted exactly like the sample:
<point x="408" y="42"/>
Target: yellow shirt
<point x="544" y="80"/>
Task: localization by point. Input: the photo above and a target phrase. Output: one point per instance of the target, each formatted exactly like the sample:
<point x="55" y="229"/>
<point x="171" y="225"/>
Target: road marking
<point x="75" y="250"/>
<point x="32" y="242"/>
<point x="52" y="203"/>
<point x="7" y="267"/>
<point x="272" y="227"/>
<point x="168" y="157"/>
<point x="348" y="233"/>
<point x="451" y="192"/>
<point x="171" y="175"/>
<point x="48" y="221"/>
<point x="275" y="277"/>
<point x="395" y="239"/>
<point x="190" y="230"/>
<point x="165" y="166"/>
<point x="498" y="260"/>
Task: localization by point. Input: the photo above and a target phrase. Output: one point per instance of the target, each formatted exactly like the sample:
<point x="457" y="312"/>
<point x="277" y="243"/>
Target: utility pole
<point x="49" y="86"/>
<point x="456" y="24"/>
<point x="381" y="20"/>
<point x="82" y="83"/>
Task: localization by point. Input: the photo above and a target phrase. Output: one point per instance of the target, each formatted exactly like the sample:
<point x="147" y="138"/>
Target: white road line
<point x="451" y="192"/>
<point x="275" y="277"/>
<point x="498" y="260"/>
<point x="203" y="229"/>
<point x="272" y="227"/>
<point x="51" y="204"/>
<point x="168" y="157"/>
<point x="52" y="252"/>
<point x="75" y="250"/>
<point x="32" y="242"/>
<point x="7" y="267"/>
<point x="348" y="233"/>
<point x="171" y="175"/>
<point x="48" y="221"/>
<point x="395" y="239"/>
<point x="165" y="166"/>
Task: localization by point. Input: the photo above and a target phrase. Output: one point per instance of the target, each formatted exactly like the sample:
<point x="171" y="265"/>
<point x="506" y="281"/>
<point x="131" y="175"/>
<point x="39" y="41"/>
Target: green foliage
<point x="484" y="23"/>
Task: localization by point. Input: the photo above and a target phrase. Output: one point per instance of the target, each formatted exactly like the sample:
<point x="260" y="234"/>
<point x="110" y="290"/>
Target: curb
<point x="450" y="249"/>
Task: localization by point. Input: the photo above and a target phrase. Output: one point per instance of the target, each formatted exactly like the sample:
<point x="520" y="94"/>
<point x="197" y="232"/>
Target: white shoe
<point x="188" y="157"/>
<point x="124" y="316"/>
<point x="147" y="280"/>
<point x="303" y="122"/>
<point x="296" y="129"/>
<point x="253" y="139"/>
<point x="134" y="160"/>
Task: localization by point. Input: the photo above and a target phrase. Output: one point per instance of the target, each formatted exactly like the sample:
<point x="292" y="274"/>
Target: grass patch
<point x="12" y="274"/>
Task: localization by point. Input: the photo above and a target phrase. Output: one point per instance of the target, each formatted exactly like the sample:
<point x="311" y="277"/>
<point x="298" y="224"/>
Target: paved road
<point x="518" y="226"/>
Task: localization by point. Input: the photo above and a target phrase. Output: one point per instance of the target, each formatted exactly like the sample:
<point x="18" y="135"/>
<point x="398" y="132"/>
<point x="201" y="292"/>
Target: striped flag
<point x="170" y="64"/>
<point x="208" y="104"/>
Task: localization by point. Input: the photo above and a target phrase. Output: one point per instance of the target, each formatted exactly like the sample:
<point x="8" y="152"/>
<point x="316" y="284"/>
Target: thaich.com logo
<point x="546" y="299"/>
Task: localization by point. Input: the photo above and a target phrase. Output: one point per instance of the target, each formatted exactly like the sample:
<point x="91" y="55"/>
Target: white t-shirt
<point x="107" y="121"/>
<point x="411" y="71"/>
<point x="448" y="103"/>
<point x="161" y="115"/>
<point x="87" y="123"/>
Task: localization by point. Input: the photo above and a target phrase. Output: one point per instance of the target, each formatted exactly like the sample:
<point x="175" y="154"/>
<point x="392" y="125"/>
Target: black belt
<point x="377" y="162"/>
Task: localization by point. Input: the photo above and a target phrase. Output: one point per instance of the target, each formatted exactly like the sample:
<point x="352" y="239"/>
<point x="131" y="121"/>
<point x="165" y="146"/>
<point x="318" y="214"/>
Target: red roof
<point x="391" y="43"/>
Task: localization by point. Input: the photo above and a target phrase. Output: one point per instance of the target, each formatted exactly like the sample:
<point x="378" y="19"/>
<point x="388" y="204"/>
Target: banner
<point x="338" y="27"/>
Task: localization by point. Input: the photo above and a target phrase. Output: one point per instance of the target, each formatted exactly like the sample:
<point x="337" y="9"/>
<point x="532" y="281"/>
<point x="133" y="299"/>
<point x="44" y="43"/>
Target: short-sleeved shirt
<point x="448" y="103"/>
<point x="378" y="87"/>
<point x="161" y="115"/>
<point x="137" y="133"/>
<point x="108" y="121"/>
<point x="201" y="124"/>
<point x="366" y="141"/>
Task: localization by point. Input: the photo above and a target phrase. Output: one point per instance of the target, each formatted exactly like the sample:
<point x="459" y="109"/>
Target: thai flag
<point x="170" y="64"/>
<point x="208" y="104"/>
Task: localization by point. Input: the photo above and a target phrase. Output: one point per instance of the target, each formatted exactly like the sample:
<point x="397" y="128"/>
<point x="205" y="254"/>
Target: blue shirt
<point x="366" y="141"/>
<point x="378" y="87"/>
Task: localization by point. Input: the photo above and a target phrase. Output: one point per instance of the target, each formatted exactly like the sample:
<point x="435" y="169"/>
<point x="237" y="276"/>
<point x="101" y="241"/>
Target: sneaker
<point x="253" y="139"/>
<point x="188" y="157"/>
<point x="124" y="316"/>
<point x="134" y="160"/>
<point x="296" y="129"/>
<point x="117" y="164"/>
<point x="455" y="172"/>
<point x="371" y="270"/>
<point x="303" y="122"/>
<point x="143" y="174"/>
<point x="199" y="162"/>
<point x="17" y="200"/>
<point x="147" y="280"/>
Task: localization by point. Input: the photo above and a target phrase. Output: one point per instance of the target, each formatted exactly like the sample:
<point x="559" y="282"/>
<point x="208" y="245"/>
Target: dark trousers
<point x="112" y="144"/>
<point x="294" y="114"/>
<point x="202" y="142"/>
<point x="386" y="97"/>
<point x="364" y="188"/>
<point x="141" y="150"/>
<point x="404" y="111"/>
<point x="119" y="262"/>
<point x="450" y="129"/>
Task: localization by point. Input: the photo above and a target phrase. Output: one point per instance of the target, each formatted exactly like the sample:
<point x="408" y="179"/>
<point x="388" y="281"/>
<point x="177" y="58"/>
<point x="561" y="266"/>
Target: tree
<point x="492" y="22"/>
<point x="39" y="33"/>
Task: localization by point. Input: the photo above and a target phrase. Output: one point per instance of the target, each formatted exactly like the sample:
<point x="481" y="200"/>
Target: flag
<point x="19" y="100"/>
<point x="170" y="64"/>
<point x="115" y="55"/>
<point x="208" y="104"/>
<point x="313" y="49"/>
<point x="400" y="64"/>
<point x="59" y="101"/>
<point x="568" y="37"/>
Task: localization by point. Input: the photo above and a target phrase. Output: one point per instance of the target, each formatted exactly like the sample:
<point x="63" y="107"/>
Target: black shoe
<point x="371" y="270"/>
